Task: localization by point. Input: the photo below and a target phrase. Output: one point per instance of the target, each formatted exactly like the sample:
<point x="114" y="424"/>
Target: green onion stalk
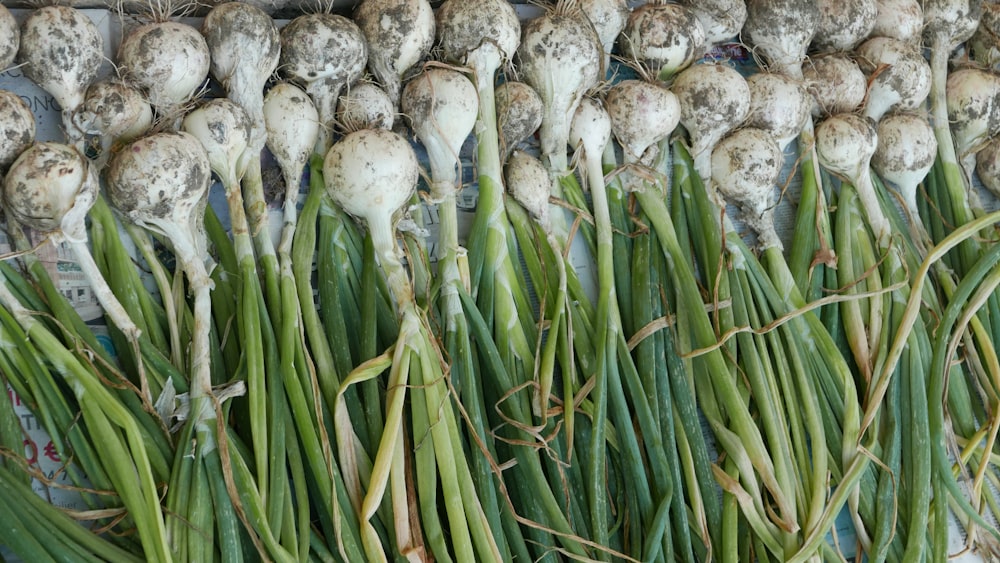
<point x="957" y="102"/>
<point x="225" y="150"/>
<point x="871" y="267"/>
<point x="966" y="302"/>
<point x="769" y="353"/>
<point x="945" y="483"/>
<point x="494" y="279"/>
<point x="717" y="391"/>
<point x="443" y="107"/>
<point x="591" y="129"/>
<point x="338" y="515"/>
<point x="877" y="266"/>
<point x="322" y="74"/>
<point x="375" y="191"/>
<point x="970" y="391"/>
<point x="970" y="396"/>
<point x="619" y="383"/>
<point x="654" y="373"/>
<point x="78" y="336"/>
<point x="483" y="35"/>
<point x="124" y="457"/>
<point x="811" y="251"/>
<point x="39" y="531"/>
<point x="840" y="401"/>
<point x="528" y="183"/>
<point x="39" y="385"/>
<point x="268" y="362"/>
<point x="891" y="345"/>
<point x="355" y="321"/>
<point x="244" y="44"/>
<point x="908" y="150"/>
<point x="174" y="208"/>
<point x="560" y="58"/>
<point x="327" y="248"/>
<point x="693" y="504"/>
<point x="503" y="307"/>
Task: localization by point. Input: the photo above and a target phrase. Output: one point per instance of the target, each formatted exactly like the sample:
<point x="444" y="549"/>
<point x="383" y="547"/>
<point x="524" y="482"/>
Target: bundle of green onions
<point x="625" y="352"/>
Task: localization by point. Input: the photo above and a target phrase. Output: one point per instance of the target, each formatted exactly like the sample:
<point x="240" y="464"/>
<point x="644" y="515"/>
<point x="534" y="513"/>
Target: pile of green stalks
<point x="589" y="280"/>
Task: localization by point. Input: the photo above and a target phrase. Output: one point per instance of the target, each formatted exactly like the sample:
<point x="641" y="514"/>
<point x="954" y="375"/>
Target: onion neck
<point x="289" y="219"/>
<point x="325" y="93"/>
<point x="877" y="220"/>
<point x="485" y="61"/>
<point x="955" y="182"/>
<point x="105" y="296"/>
<point x="203" y="411"/>
<point x="384" y="240"/>
<point x="239" y="227"/>
<point x="453" y="255"/>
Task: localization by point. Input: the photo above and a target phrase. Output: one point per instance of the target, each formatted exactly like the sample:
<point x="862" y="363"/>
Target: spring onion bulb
<point x="244" y="46"/>
<point x="988" y="166"/>
<point x="781" y="30"/>
<point x="899" y="19"/>
<point x="528" y="183"/>
<point x="714" y="99"/>
<point x="442" y="106"/>
<point x="641" y="113"/>
<point x="721" y="19"/>
<point x="778" y="104"/>
<point x="519" y="114"/>
<point x="746" y="165"/>
<point x="973" y="101"/>
<point x="608" y="18"/>
<point x="167" y="60"/>
<point x="906" y="151"/>
<point x="843" y="24"/>
<point x="50" y="188"/>
<point x="17" y="129"/>
<point x="10" y="38"/>
<point x="664" y="38"/>
<point x="836" y="82"/>
<point x="399" y="34"/>
<point x="61" y="51"/>
<point x="899" y="76"/>
<point x="372" y="174"/>
<point x="478" y="33"/>
<point x="591" y="131"/>
<point x="984" y="45"/>
<point x="845" y="144"/>
<point x="560" y="56"/>
<point x="115" y="112"/>
<point x="482" y="35"/>
<point x="948" y="23"/>
<point x="323" y="53"/>
<point x="591" y="134"/>
<point x="223" y="129"/>
<point x="292" y="123"/>
<point x="161" y="182"/>
<point x="365" y="105"/>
